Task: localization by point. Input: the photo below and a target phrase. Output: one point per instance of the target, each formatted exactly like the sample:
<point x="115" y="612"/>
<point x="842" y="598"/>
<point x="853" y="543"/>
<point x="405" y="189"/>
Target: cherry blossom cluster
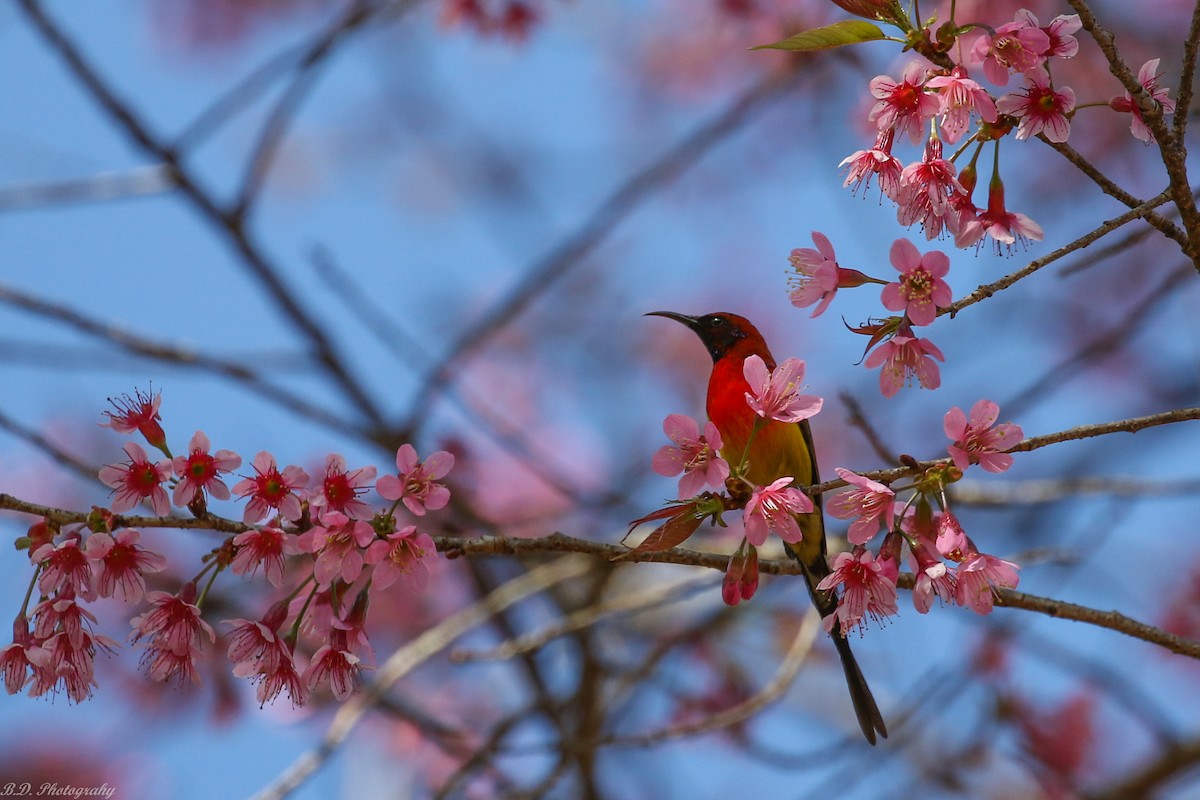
<point x="923" y="525"/>
<point x="945" y="103"/>
<point x="318" y="541"/>
<point x="919" y="292"/>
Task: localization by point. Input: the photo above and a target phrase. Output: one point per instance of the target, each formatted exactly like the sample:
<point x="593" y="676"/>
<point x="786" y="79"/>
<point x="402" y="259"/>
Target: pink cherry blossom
<point x="18" y="658"/>
<point x="334" y="665"/>
<point x="978" y="440"/>
<point x="1062" y="43"/>
<point x="62" y="613"/>
<point x="416" y="484"/>
<point x="905" y="357"/>
<point x="775" y="394"/>
<point x="281" y="676"/>
<point x="270" y="489"/>
<point x="268" y="548"/>
<point x="174" y="632"/>
<point x="260" y="653"/>
<point x="1040" y="108"/>
<point x="920" y="290"/>
<point x="1004" y="227"/>
<point x="926" y="187"/>
<point x="933" y="579"/>
<point x="1016" y="46"/>
<point x="951" y="541"/>
<point x="866" y="591"/>
<point x="772" y="509"/>
<point x="869" y="505"/>
<point x="978" y="574"/>
<point x="816" y="275"/>
<point x="138" y="413"/>
<point x="960" y="97"/>
<point x="122" y="563"/>
<point x="253" y="647"/>
<point x="342" y="487"/>
<point x="199" y="471"/>
<point x="903" y="104"/>
<point x="863" y="164"/>
<point x="696" y="455"/>
<point x="1148" y="77"/>
<point x="339" y="543"/>
<point x="962" y="220"/>
<point x="138" y="479"/>
<point x="69" y="666"/>
<point x="403" y="555"/>
<point x="65" y="568"/>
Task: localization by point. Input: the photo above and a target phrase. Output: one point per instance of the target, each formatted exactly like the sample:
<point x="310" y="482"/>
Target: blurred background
<point x="332" y="226"/>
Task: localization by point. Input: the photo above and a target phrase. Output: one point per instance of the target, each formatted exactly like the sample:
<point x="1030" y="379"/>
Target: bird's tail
<point x="869" y="718"/>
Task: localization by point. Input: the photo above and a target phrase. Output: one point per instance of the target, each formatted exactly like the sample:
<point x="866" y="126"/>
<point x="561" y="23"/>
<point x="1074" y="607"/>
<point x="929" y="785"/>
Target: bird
<point x="778" y="449"/>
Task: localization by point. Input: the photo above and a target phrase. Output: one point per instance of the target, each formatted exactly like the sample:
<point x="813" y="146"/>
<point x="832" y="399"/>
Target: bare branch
<point x="175" y="355"/>
<point x="1011" y="493"/>
<point x="859" y="420"/>
<point x="60" y="456"/>
<point x="137" y="182"/>
<point x="652" y="597"/>
<point x="775" y="688"/>
<point x="1163" y="226"/>
<point x="1104" y="343"/>
<point x="229" y="224"/>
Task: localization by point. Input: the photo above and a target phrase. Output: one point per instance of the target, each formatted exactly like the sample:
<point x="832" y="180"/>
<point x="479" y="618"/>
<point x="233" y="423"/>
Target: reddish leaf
<point x="672" y="532"/>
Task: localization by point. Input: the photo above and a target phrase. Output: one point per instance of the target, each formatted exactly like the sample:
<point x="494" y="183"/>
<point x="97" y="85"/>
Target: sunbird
<point x="776" y="450"/>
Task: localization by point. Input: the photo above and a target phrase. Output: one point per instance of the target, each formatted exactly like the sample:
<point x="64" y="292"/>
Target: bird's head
<point x="722" y="333"/>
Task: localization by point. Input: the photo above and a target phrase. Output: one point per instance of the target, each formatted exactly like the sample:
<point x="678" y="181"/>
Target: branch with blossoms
<point x="350" y="552"/>
<point x="936" y="102"/>
<point x="936" y="93"/>
<point x="340" y="551"/>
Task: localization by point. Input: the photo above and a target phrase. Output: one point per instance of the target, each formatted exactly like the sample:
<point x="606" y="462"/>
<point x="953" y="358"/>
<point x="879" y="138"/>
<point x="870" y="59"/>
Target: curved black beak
<point x="691" y="322"/>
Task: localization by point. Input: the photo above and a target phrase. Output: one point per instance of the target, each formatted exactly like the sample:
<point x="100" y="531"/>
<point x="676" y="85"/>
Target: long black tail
<point x="869" y="718"/>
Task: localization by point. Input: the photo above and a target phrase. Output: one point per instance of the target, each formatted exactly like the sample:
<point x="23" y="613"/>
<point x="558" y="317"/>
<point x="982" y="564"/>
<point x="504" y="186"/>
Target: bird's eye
<point x="713" y="322"/>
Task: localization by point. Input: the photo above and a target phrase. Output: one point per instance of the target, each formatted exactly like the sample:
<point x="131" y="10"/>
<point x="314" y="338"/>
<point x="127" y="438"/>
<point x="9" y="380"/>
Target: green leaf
<point x="849" y="31"/>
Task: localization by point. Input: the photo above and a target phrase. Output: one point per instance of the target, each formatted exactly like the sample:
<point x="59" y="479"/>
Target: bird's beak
<point x="691" y="322"/>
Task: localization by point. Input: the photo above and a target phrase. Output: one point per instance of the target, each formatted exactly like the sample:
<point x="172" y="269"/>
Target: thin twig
<point x="136" y="182"/>
<point x="989" y="289"/>
<point x="1104" y="343"/>
<point x="652" y="597"/>
<point x="175" y="355"/>
<point x="859" y="420"/>
<point x="281" y="115"/>
<point x="393" y="337"/>
<point x="1162" y="225"/>
<point x="1131" y="425"/>
<point x="56" y="453"/>
<point x="775" y="688"/>
<point x="1036" y="492"/>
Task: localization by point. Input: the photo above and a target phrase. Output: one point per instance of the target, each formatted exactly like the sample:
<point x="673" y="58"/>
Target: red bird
<point x="778" y="449"/>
